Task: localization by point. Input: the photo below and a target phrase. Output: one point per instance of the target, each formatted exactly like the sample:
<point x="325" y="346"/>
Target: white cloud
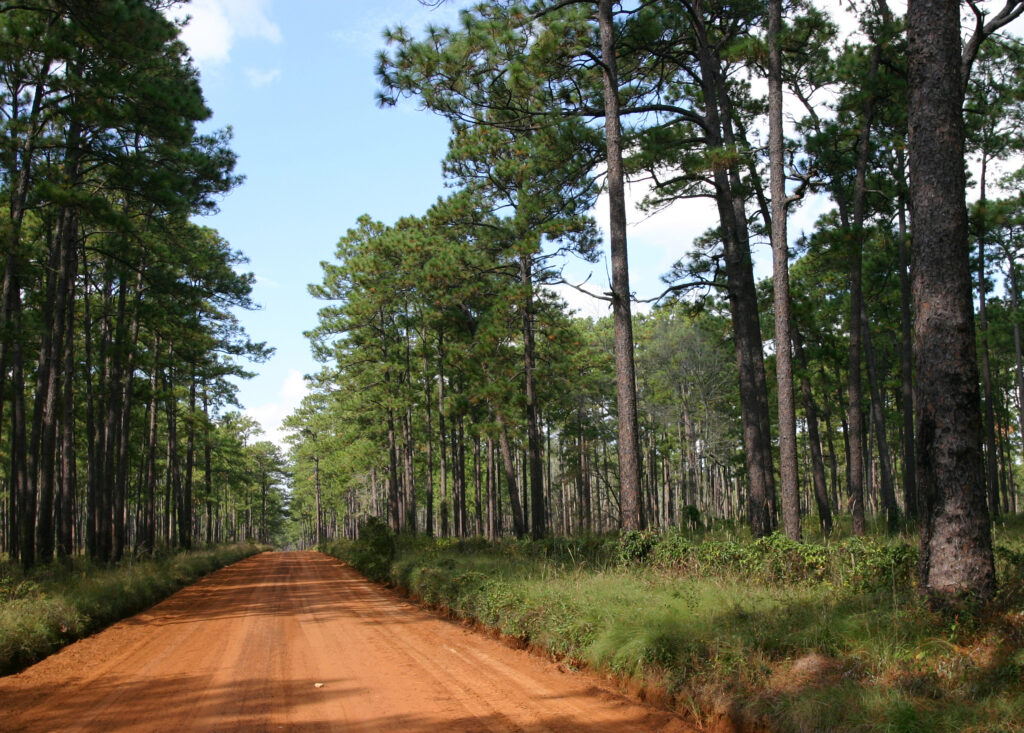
<point x="215" y="24"/>
<point x="270" y="415"/>
<point x="262" y="77"/>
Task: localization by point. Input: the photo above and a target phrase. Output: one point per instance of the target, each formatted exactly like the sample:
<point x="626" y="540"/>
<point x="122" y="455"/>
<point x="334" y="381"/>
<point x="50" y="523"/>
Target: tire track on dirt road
<point x="298" y="641"/>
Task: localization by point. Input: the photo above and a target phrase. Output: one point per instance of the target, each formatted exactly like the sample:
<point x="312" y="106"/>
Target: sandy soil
<point x="299" y="641"/>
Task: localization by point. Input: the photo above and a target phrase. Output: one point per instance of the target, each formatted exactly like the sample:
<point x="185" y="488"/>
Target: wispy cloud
<point x="267" y="281"/>
<point x="215" y="24"/>
<point x="262" y="77"/>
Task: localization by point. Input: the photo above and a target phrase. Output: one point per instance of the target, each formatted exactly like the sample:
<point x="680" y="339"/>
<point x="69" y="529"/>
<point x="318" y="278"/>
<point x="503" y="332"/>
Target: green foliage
<point x="854" y="563"/>
<point x="372" y="553"/>
<point x="55" y="605"/>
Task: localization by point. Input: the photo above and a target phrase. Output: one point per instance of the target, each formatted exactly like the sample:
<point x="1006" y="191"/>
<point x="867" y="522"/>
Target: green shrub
<point x="371" y="554"/>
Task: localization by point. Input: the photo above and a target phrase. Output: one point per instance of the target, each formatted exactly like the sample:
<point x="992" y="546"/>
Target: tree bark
<point x="625" y="373"/>
<point x="956" y="543"/>
<point x="780" y="282"/>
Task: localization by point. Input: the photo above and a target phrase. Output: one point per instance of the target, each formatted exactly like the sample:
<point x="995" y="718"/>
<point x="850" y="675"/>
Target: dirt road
<point x="298" y="641"/>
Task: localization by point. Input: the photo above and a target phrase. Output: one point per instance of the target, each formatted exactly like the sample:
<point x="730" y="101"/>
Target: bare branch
<point x="982" y="30"/>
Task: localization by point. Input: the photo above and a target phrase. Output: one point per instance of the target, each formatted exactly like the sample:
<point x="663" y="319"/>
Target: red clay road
<point x="298" y="641"/>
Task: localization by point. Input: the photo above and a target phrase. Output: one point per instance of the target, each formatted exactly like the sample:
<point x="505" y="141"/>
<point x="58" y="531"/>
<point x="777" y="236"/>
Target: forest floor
<point x="299" y="641"/>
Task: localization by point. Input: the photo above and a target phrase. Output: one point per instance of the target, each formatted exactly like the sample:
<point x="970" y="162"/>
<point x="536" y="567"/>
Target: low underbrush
<point x="54" y="605"/>
<point x="827" y="635"/>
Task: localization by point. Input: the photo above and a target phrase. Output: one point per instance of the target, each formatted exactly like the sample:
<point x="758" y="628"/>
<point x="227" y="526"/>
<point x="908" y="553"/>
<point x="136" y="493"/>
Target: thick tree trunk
<point x="956" y="542"/>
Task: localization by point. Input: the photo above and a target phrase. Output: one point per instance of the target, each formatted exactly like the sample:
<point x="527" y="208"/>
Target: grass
<point x="814" y="637"/>
<point x="57" y="604"/>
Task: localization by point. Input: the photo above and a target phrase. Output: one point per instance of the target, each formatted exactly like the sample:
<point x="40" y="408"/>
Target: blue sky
<point x="295" y="79"/>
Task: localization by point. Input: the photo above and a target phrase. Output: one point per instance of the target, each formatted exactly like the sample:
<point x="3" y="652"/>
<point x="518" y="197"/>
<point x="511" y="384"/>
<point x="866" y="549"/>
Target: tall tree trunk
<point x="173" y="490"/>
<point x="510" y="478"/>
<point x="537" y="519"/>
<point x="460" y="466"/>
<point x="906" y="356"/>
<point x="185" y="505"/>
<point x="207" y="465"/>
<point x="148" y="543"/>
<point x="113" y="513"/>
<point x="991" y="475"/>
<point x="409" y="470"/>
<point x="430" y="438"/>
<point x="445" y="529"/>
<point x="855" y="416"/>
<point x="100" y="476"/>
<point x="625" y="373"/>
<point x="788" y="473"/>
<point x="743" y="306"/>
<point x="956" y="541"/>
<point x="319" y="502"/>
<point x="1018" y="343"/>
<point x="49" y="374"/>
<point x="814" y="438"/>
<point x="20" y="484"/>
<point x="888" y="494"/>
<point x="68" y="472"/>
<point x="477" y="487"/>
<point x="394" y="518"/>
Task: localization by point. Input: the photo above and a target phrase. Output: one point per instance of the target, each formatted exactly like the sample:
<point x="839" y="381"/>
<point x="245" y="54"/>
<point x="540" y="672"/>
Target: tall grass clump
<point x="54" y="605"/>
<point x="829" y="634"/>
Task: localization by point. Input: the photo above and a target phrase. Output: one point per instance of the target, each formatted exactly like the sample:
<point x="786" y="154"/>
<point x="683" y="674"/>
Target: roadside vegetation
<point x="820" y="635"/>
<point x="53" y="605"/>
